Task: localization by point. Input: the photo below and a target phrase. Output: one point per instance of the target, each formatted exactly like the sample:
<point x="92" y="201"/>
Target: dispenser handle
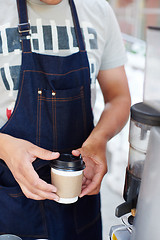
<point x="123" y="209"/>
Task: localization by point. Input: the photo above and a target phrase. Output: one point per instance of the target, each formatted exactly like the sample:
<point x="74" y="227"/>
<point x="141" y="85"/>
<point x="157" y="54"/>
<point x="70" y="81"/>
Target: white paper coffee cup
<point x="68" y="184"/>
<point x="66" y="176"/>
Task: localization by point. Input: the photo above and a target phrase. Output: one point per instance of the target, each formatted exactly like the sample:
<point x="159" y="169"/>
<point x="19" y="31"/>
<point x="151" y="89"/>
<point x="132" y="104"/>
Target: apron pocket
<point x="61" y="123"/>
<point x="19" y="215"/>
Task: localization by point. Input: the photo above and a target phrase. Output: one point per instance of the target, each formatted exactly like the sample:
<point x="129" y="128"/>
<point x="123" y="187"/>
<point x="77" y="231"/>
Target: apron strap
<point x="24" y="26"/>
<point x="78" y="31"/>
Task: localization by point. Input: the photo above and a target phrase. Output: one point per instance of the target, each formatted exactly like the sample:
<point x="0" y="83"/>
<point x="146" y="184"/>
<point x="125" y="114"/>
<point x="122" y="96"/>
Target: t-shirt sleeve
<point x="114" y="54"/>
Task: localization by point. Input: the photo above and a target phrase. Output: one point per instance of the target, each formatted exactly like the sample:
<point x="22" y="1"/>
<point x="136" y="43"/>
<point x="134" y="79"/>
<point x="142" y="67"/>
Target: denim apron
<point x="53" y="111"/>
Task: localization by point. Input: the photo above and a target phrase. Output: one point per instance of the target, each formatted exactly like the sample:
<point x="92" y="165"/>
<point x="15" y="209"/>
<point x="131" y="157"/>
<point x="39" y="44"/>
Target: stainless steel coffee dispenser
<point x="143" y="118"/>
<point x="146" y="224"/>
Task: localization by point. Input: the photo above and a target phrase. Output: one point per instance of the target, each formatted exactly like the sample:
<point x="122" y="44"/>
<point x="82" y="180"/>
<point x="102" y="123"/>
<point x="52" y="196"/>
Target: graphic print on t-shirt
<point x="45" y="39"/>
<point x="50" y="38"/>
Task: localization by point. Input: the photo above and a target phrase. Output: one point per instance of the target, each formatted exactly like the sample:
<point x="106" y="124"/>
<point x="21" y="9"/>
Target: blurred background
<point x="134" y="16"/>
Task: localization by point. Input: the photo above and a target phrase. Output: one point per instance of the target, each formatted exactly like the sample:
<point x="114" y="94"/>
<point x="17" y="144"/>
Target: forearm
<point x="113" y="118"/>
<point x="4" y="141"/>
<point x="114" y="86"/>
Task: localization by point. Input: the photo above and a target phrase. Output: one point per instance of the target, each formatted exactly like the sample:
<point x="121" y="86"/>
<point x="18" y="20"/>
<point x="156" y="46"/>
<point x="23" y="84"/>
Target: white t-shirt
<point x="52" y="33"/>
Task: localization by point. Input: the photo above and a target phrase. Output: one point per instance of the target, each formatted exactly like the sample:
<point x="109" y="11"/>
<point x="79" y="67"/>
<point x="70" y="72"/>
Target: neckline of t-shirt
<point x="38" y="2"/>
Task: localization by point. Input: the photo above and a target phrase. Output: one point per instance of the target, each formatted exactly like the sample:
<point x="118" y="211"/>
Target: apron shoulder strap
<point x="23" y="26"/>
<point x="77" y="26"/>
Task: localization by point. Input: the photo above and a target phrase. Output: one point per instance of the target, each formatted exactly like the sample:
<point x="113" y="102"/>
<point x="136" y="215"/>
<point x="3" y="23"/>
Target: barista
<point x="53" y="114"/>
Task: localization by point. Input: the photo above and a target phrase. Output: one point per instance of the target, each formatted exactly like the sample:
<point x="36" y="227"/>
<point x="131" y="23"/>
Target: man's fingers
<point x="42" y="185"/>
<point x="76" y="152"/>
<point x="32" y="184"/>
<point x="36" y="193"/>
<point x="84" y="179"/>
<point x="48" y="195"/>
<point x="39" y="195"/>
<point x="39" y="191"/>
<point x="87" y="190"/>
<point x="43" y="153"/>
<point x="28" y="194"/>
<point x="92" y="186"/>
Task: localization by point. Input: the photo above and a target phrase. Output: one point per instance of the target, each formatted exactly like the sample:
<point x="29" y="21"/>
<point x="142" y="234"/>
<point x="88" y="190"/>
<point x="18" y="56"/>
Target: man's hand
<point x="19" y="154"/>
<point x="94" y="155"/>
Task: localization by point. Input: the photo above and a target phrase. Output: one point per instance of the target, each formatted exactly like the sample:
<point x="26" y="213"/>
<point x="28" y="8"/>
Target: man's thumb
<point x="76" y="152"/>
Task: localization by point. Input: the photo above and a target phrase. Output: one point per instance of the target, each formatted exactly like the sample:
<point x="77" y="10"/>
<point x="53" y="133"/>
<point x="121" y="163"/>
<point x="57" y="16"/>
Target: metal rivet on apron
<point x="53" y="93"/>
<point x="39" y="92"/>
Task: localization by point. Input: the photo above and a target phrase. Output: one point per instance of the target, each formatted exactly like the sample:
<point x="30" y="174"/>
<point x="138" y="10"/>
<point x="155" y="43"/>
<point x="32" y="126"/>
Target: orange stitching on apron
<point x="64" y="99"/>
<point x="59" y="99"/>
<point x="27" y="52"/>
<point x="62" y="74"/>
<point x="16" y="195"/>
<point x="84" y="111"/>
<point x="20" y="92"/>
<point x="40" y="119"/>
<point x="53" y="121"/>
<point x="37" y="118"/>
<point x="23" y="47"/>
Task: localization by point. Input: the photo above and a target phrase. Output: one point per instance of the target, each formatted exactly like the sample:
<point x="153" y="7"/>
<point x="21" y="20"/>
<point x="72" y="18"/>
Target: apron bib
<point x="53" y="111"/>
